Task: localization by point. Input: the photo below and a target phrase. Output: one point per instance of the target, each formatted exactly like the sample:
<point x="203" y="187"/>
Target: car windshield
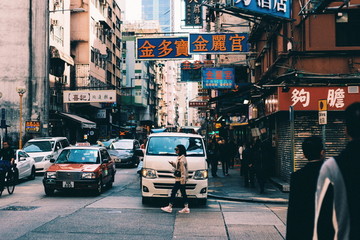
<point x="165" y="145"/>
<point x="39" y="146"/>
<point x="83" y="156"/>
<point x="122" y="145"/>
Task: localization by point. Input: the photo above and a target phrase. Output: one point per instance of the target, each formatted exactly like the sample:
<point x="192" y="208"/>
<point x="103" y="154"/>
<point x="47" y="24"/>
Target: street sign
<point x="322" y="117"/>
<point x="322" y="105"/>
<point x="32" y="126"/>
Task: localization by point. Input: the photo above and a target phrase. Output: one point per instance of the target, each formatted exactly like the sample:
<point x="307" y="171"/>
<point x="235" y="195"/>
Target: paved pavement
<point x="232" y="188"/>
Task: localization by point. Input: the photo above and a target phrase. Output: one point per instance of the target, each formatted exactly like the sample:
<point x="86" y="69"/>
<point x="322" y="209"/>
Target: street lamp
<point x="20" y="91"/>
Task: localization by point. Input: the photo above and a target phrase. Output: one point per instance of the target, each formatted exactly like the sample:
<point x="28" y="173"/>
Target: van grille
<point x="38" y="159"/>
<point x="171" y="185"/>
<point x="169" y="174"/>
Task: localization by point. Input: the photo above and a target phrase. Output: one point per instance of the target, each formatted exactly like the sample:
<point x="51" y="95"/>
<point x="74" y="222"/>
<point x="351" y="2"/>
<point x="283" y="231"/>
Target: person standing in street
<point x="225" y="155"/>
<point x="337" y="205"/>
<point x="232" y="148"/>
<point x="258" y="156"/>
<point x="248" y="166"/>
<point x="180" y="181"/>
<point x="213" y="150"/>
<point x="301" y="208"/>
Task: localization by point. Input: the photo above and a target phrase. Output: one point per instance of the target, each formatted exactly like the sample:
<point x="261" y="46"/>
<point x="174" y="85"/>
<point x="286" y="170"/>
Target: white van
<point x="157" y="173"/>
<point x="43" y="149"/>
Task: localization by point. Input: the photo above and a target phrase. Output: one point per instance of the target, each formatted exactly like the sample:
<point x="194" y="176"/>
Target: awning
<point x="83" y="122"/>
<point x="56" y="53"/>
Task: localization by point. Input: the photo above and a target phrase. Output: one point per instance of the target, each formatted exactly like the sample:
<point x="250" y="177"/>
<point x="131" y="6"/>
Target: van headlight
<point x="48" y="157"/>
<point x="148" y="173"/>
<point x="50" y="174"/>
<point x="200" y="174"/>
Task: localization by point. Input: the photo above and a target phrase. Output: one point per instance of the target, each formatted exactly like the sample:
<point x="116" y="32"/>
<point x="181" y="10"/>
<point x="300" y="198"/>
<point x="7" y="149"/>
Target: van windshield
<point x="39" y="146"/>
<point x="165" y="145"/>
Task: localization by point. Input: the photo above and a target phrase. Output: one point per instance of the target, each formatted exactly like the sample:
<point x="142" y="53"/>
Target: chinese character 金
<point x="200" y="44"/>
<point x="148" y="49"/>
<point x="186" y="65"/>
<point x="336" y="98"/>
<point x="300" y="96"/>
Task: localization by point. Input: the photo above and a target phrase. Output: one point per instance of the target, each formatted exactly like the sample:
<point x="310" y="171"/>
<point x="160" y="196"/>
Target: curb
<point x="252" y="200"/>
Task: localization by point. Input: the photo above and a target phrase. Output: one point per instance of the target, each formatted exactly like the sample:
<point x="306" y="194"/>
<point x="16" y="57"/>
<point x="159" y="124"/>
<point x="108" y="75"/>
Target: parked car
<point x="88" y="168"/>
<point x="126" y="152"/>
<point x="25" y="165"/>
<point x="43" y="149"/>
<point x="158" y="175"/>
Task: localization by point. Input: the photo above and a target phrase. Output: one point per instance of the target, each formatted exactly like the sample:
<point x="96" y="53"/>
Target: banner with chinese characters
<point x="191" y="71"/>
<point x="198" y="104"/>
<point x="218" y="78"/>
<point x="205" y="43"/>
<point x="306" y="98"/>
<point x="32" y="126"/>
<point x="162" y="48"/>
<point x="89" y="96"/>
<point x="274" y="8"/>
<point x="193" y="13"/>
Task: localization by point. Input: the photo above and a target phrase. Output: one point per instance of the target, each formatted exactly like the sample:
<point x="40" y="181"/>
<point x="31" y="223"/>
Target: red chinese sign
<point x="197" y="104"/>
<point x="306" y="98"/>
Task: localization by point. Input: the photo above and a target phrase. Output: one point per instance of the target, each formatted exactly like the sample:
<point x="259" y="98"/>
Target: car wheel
<point x="99" y="188"/>
<point x="32" y="175"/>
<point x="49" y="191"/>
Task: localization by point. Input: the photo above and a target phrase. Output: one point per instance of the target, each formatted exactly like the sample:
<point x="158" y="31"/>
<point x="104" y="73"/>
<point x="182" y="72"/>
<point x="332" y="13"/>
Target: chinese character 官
<point x="236" y="42"/>
<point x="336" y="98"/>
<point x="300" y="96"/>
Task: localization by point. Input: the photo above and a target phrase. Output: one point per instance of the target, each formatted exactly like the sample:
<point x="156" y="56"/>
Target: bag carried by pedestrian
<point x="177" y="173"/>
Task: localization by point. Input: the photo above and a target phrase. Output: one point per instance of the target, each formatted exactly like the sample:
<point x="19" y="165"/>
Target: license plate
<point x="68" y="184"/>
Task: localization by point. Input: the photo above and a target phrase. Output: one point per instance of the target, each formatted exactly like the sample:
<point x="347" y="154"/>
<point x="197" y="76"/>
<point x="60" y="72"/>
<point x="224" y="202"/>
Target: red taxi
<point x="80" y="167"/>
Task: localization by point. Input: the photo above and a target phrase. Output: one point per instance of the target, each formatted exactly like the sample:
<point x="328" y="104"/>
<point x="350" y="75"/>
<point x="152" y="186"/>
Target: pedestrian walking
<point x="301" y="208"/>
<point x="225" y="155"/>
<point x="240" y="151"/>
<point x="232" y="151"/>
<point x="258" y="156"/>
<point x="180" y="180"/>
<point x="337" y="205"/>
<point x="248" y="166"/>
<point x="213" y="154"/>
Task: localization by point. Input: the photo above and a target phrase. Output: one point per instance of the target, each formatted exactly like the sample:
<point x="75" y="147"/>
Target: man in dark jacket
<point x="7" y="156"/>
<point x="337" y="205"/>
<point x="301" y="209"/>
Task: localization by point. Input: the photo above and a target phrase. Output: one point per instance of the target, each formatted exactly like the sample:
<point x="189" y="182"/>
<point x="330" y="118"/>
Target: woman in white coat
<point x="180" y="181"/>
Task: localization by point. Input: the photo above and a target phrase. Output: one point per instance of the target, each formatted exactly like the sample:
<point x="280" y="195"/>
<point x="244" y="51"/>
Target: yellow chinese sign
<point x="162" y="48"/>
<point x="32" y="126"/>
<point x="206" y="43"/>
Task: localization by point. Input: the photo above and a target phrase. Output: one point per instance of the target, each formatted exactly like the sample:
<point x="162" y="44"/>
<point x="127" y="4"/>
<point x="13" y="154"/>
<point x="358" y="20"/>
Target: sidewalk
<point x="232" y="188"/>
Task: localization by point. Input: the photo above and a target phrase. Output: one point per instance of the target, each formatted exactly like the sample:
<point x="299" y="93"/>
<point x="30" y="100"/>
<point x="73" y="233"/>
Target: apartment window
<point x="92" y="56"/>
<point x="346" y="26"/>
<point x="118" y="42"/>
<point x="109" y="12"/>
<point x="118" y="23"/>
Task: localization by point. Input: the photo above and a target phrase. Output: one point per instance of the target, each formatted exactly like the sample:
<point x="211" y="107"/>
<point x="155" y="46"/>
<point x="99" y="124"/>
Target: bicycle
<point x="10" y="179"/>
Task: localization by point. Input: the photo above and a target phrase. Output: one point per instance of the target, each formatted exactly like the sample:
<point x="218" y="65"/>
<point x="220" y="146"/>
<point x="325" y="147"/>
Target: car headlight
<point x="148" y="173"/>
<point x="50" y="174"/>
<point x="200" y="174"/>
<point x="88" y="175"/>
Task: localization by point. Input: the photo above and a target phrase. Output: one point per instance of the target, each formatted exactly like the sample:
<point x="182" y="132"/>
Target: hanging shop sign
<point x="162" y="48"/>
<point x="272" y="8"/>
<point x="218" y="78"/>
<point x="307" y="98"/>
<point x="193" y="13"/>
<point x="32" y="126"/>
<point x="206" y="43"/>
<point x="191" y="71"/>
<point x="89" y="96"/>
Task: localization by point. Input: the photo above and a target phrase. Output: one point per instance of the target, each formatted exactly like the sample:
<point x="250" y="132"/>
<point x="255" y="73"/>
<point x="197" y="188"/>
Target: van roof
<point x="46" y="138"/>
<point x="175" y="134"/>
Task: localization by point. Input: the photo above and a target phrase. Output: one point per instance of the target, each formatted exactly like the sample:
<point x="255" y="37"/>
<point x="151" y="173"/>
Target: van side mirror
<point x="52" y="160"/>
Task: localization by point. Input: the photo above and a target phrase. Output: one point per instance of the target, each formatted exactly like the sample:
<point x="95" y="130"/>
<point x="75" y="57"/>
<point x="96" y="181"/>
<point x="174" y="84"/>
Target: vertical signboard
<point x="193" y="13"/>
